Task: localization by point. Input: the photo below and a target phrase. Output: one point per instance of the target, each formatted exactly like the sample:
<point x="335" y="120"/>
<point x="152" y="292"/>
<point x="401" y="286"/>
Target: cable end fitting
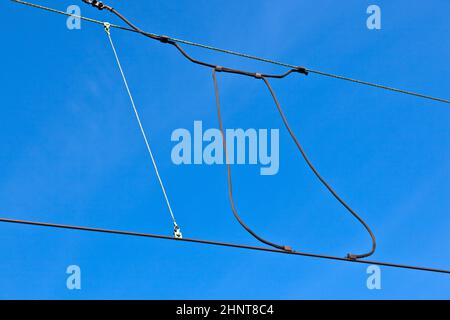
<point x="288" y="248"/>
<point x="107" y="27"/>
<point x="97" y="4"/>
<point x="302" y="70"/>
<point x="177" y="232"/>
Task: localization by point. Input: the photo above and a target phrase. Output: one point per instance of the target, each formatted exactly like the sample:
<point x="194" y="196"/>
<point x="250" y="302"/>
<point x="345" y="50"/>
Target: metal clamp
<point x="177" y="231"/>
<point x="96" y="4"/>
<point x="107" y="27"/>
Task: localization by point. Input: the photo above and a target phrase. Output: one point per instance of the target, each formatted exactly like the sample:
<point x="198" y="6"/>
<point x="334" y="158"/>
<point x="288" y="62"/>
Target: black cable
<point x="230" y="182"/>
<point x="164" y="39"/>
<point x="243" y="55"/>
<point x="280" y="249"/>
<point x="222" y="244"/>
<point x="305" y="156"/>
<point x="303" y="153"/>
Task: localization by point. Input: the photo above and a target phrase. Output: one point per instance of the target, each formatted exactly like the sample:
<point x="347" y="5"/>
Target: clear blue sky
<point x="71" y="151"/>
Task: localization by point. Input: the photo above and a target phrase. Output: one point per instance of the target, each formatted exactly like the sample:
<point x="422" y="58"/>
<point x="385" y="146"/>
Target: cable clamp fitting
<point x="165" y="39"/>
<point x="302" y="70"/>
<point x="107" y="27"/>
<point x="97" y="4"/>
<point x="258" y="75"/>
<point x="351" y="256"/>
<point x="218" y="68"/>
<point x="177" y="232"/>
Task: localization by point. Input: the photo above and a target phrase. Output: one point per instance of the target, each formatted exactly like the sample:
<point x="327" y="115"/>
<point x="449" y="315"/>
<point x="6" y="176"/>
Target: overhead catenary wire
<point x="177" y="231"/>
<point x="263" y="76"/>
<point x="165" y="39"/>
<point x="214" y="67"/>
<point x="224" y="244"/>
<point x="256" y="75"/>
<point x="174" y="41"/>
<point x="247" y="56"/>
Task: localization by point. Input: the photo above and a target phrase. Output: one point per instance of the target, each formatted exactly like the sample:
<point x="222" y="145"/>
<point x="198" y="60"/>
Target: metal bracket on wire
<point x="107" y="27"/>
<point x="177" y="231"/>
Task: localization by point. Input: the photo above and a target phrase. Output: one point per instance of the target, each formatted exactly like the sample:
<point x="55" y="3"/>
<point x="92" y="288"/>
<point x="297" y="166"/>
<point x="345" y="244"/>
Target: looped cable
<point x="311" y="166"/>
<point x="216" y="68"/>
<point x="230" y="182"/>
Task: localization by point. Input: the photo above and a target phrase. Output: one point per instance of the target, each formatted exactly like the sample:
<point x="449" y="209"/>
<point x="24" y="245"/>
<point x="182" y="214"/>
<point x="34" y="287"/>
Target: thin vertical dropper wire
<point x="141" y="127"/>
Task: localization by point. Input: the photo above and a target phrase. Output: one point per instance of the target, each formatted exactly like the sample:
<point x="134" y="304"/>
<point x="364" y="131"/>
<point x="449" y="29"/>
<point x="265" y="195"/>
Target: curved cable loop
<point x="263" y="76"/>
<point x="318" y="175"/>
<point x="230" y="182"/>
<point x="306" y="158"/>
<point x="217" y="68"/>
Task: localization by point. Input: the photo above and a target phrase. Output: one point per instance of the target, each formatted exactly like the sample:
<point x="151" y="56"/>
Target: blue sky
<point x="71" y="151"/>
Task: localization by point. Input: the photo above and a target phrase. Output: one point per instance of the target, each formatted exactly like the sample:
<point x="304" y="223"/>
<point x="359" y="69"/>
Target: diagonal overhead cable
<point x="174" y="42"/>
<point x="243" y="55"/>
<point x="164" y="39"/>
<point x="221" y="244"/>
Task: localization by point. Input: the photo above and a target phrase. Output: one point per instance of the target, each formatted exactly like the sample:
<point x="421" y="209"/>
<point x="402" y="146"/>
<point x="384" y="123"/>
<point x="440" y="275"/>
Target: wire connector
<point x="165" y="39"/>
<point x="177" y="231"/>
<point x="351" y="256"/>
<point x="302" y="70"/>
<point x="107" y="27"/>
<point x="97" y="4"/>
